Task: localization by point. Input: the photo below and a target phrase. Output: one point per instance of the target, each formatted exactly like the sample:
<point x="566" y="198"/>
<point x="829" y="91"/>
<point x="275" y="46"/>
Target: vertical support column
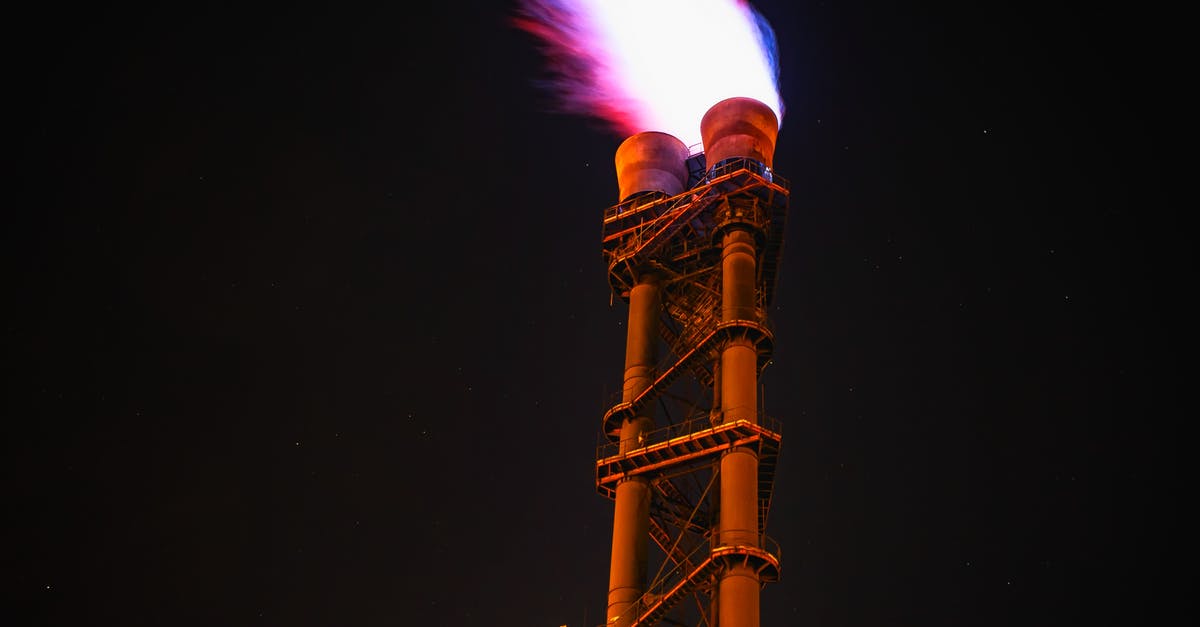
<point x="739" y="358"/>
<point x="631" y="515"/>
<point x="738" y="589"/>
<point x="738" y="598"/>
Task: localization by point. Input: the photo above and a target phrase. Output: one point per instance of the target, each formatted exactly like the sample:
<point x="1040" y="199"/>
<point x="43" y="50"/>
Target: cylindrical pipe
<point x="739" y="360"/>
<point x="739" y="365"/>
<point x="651" y="162"/>
<point x="738" y="276"/>
<point x="715" y="414"/>
<point x="739" y="127"/>
<point x="631" y="515"/>
<point x="738" y="588"/>
<point x="739" y="498"/>
<point x="641" y="337"/>
<point x="627" y="571"/>
<point x="738" y="593"/>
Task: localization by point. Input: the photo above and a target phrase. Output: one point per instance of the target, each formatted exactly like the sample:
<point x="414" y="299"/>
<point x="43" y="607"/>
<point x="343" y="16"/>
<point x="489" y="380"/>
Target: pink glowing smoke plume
<point x="654" y="65"/>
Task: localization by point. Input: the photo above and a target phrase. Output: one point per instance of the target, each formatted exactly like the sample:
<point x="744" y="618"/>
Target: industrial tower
<point x="689" y="458"/>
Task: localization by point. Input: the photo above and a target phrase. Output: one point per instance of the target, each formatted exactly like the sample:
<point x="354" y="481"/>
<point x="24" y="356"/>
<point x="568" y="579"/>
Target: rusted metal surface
<point x="631" y="515"/>
<point x="739" y="127"/>
<point x="651" y="162"/>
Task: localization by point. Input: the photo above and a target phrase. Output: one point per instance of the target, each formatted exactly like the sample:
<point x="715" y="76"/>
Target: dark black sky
<point x="309" y="324"/>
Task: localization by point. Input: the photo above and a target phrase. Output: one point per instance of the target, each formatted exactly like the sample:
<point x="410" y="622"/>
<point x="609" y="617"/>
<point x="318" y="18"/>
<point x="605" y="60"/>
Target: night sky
<point x="308" y="322"/>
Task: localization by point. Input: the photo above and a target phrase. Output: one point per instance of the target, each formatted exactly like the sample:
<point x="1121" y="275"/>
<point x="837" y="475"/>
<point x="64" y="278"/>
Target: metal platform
<point x="675" y="234"/>
<point x="680" y="449"/>
<point x="677" y="449"/>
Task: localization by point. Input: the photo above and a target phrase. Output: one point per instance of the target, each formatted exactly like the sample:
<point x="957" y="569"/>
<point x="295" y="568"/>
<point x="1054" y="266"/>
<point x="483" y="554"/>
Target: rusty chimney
<point x="651" y="162"/>
<point x="739" y="127"/>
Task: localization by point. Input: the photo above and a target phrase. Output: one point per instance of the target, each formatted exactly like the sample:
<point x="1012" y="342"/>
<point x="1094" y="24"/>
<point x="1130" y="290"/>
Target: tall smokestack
<point x="739" y="128"/>
<point x="649" y="162"/>
<point x="694" y="266"/>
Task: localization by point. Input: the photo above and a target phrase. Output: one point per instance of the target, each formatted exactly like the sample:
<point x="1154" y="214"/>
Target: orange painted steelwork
<point x="694" y="251"/>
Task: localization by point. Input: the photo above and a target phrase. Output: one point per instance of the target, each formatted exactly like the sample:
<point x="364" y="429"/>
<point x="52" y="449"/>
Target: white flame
<point x="657" y="65"/>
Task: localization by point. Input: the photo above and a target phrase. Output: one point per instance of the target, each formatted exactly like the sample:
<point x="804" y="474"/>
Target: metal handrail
<point x="658" y="587"/>
<point x="679" y="429"/>
<point x="754" y="166"/>
<point x="729" y="166"/>
<point x="663" y="584"/>
<point x="694" y="333"/>
<point x="765" y="542"/>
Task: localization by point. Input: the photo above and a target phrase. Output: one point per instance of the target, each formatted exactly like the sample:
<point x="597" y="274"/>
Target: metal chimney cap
<point x="651" y="162"/>
<point x="739" y="127"/>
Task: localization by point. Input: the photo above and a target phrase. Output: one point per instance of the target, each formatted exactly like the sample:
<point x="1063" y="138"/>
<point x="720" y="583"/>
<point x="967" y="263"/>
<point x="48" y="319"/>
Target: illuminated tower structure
<point x="689" y="457"/>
